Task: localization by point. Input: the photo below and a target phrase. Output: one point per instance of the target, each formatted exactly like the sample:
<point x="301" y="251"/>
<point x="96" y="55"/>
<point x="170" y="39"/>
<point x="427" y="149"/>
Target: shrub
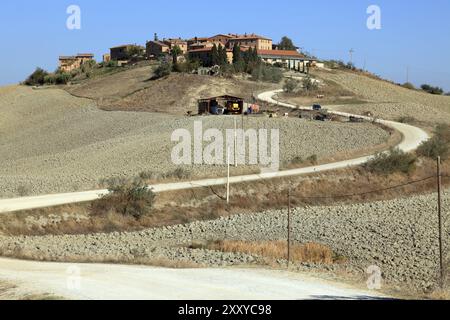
<point x="127" y="198"/>
<point x="36" y="78"/>
<point x="313" y="159"/>
<point x="267" y="74"/>
<point x="62" y="78"/>
<point x="187" y="67"/>
<point x="409" y="85"/>
<point x="431" y="89"/>
<point x="393" y="161"/>
<point x="406" y="119"/>
<point x="181" y="174"/>
<point x="437" y="146"/>
<point x="111" y="64"/>
<point x="290" y="85"/>
<point x="163" y="70"/>
<point x="309" y="84"/>
<point x="50" y="79"/>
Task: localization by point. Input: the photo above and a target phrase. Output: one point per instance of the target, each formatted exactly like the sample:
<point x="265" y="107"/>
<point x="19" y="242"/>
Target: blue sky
<point x="414" y="33"/>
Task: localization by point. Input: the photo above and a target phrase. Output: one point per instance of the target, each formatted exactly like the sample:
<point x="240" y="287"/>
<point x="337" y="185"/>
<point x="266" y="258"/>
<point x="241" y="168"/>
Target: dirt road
<point x="106" y="282"/>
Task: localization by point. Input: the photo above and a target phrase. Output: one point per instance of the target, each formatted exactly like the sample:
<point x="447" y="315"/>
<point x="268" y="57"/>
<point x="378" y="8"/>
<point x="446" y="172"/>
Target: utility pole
<point x="407" y="74"/>
<point x="228" y="176"/>
<point x="289" y="229"/>
<point x="351" y="56"/>
<point x="235" y="143"/>
<point x="441" y="253"/>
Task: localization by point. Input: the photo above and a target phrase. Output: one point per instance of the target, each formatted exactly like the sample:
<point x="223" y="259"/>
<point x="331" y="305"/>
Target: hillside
<point x="132" y="90"/>
<point x="389" y="101"/>
<point x="53" y="142"/>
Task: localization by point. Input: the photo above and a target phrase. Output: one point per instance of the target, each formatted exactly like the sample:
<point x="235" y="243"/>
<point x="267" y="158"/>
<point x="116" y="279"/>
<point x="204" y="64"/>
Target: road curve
<point x="120" y="282"/>
<point x="412" y="138"/>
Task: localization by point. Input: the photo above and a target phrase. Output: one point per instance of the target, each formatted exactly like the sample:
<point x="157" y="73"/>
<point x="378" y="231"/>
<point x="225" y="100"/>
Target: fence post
<point x="441" y="254"/>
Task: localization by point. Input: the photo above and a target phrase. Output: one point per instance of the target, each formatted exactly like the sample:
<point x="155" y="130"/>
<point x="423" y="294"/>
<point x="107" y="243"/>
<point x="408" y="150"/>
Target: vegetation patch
<point x="439" y="145"/>
<point x="277" y="250"/>
<point x="128" y="198"/>
<point x="391" y="162"/>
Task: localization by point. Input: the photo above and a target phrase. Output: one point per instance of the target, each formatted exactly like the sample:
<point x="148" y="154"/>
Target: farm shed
<point x="229" y="105"/>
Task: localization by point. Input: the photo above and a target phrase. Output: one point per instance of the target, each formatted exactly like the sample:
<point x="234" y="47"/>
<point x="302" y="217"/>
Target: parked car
<point x="317" y="107"/>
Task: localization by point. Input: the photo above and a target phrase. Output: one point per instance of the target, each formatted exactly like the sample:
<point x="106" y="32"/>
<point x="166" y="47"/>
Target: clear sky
<point x="414" y="33"/>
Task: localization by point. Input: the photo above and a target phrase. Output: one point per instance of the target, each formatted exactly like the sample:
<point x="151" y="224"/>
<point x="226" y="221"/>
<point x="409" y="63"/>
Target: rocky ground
<point x="399" y="236"/>
<point x="52" y="142"/>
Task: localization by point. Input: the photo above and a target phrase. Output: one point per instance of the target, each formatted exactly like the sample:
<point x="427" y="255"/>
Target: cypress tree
<point x="214" y="55"/>
<point x="237" y="57"/>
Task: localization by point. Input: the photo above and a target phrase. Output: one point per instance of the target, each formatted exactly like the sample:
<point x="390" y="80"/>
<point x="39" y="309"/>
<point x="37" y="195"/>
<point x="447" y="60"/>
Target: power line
<point x="370" y="192"/>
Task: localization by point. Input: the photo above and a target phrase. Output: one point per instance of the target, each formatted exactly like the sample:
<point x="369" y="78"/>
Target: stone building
<point x="69" y="63"/>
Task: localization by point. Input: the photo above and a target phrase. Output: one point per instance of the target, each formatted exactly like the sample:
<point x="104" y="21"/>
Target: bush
<point x="181" y="174"/>
<point x="111" y="64"/>
<point x="393" y="161"/>
<point x="126" y="198"/>
<point x="431" y="89"/>
<point x="409" y="85"/>
<point x="267" y="74"/>
<point x="313" y="159"/>
<point x="290" y="85"/>
<point x="37" y="78"/>
<point x="309" y="85"/>
<point x="62" y="78"/>
<point x="438" y="146"/>
<point x="163" y="70"/>
<point x="187" y="67"/>
<point x="50" y="79"/>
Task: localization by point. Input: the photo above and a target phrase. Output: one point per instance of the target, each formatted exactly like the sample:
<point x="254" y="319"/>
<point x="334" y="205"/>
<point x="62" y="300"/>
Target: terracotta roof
<point x="249" y="36"/>
<point x="160" y="43"/>
<point x="123" y="46"/>
<point x="206" y="50"/>
<point x="290" y="53"/>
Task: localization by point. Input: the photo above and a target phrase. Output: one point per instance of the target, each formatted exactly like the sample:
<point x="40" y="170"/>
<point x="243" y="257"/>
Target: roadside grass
<point x="277" y="250"/>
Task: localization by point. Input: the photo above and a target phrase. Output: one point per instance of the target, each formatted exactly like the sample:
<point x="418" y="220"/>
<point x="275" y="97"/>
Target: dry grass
<point x="332" y="93"/>
<point x="202" y="204"/>
<point x="306" y="253"/>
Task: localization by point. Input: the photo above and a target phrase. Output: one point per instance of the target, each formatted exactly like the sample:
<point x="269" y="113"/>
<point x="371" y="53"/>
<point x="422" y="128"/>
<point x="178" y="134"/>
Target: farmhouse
<point x="156" y="49"/>
<point x="69" y="63"/>
<point x="183" y="45"/>
<point x="290" y="59"/>
<point x="205" y="55"/>
<point x="123" y="52"/>
<point x="251" y="41"/>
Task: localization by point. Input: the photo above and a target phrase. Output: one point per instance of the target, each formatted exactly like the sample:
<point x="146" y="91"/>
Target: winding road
<point x="412" y="138"/>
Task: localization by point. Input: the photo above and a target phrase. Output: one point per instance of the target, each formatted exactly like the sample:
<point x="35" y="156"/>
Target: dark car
<point x="317" y="107"/>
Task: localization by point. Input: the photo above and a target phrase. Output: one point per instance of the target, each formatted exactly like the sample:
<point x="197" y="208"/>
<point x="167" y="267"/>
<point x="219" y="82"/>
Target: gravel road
<point x="116" y="282"/>
<point x="51" y="142"/>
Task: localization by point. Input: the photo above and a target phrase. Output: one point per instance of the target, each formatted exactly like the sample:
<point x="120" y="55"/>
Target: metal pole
<point x="441" y="254"/>
<point x="235" y="143"/>
<point x="228" y="176"/>
<point x="289" y="228"/>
